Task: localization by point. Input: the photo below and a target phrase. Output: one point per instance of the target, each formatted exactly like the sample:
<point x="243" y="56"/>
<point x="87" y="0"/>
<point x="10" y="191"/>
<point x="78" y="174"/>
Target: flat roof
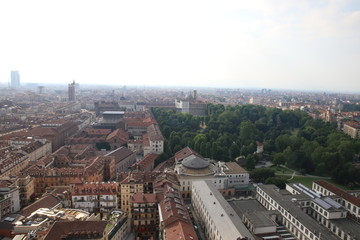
<point x="348" y="226"/>
<point x="242" y="206"/>
<point x="224" y="217"/>
<point x="254" y="211"/>
<point x="113" y="112"/>
<point x="285" y="201"/>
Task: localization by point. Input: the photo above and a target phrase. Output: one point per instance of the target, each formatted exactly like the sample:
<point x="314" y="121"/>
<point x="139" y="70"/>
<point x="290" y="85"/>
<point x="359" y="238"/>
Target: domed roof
<point x="195" y="162"/>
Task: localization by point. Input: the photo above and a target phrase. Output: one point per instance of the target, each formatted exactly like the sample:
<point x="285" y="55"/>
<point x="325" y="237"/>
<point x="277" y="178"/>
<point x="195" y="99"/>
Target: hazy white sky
<point x="293" y="44"/>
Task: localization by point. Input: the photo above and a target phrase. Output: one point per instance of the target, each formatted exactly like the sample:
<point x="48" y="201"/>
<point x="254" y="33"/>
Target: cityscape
<point x="107" y="162"/>
<point x="179" y="120"/>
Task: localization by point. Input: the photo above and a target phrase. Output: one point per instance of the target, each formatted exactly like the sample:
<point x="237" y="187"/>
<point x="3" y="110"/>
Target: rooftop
<point x="285" y="201"/>
<point x="341" y="193"/>
<point x="227" y="222"/>
<point x="195" y="162"/>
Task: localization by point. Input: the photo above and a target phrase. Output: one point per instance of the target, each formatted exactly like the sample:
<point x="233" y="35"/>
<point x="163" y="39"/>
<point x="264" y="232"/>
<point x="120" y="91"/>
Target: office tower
<point x="71" y="91"/>
<point x="15" y="79"/>
<point x="40" y="89"/>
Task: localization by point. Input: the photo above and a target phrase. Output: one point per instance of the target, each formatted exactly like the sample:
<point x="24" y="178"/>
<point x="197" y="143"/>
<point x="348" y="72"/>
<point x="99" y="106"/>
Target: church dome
<point x="195" y="162"/>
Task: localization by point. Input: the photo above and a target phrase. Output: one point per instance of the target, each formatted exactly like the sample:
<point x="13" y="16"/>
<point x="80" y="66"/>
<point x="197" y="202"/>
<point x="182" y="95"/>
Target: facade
<point x="155" y="139"/>
<point x="307" y="214"/>
<point x="144" y="214"/>
<point x="132" y="183"/>
<point x="71" y="92"/>
<point x="144" y="132"/>
<point x="190" y="104"/>
<point x="15" y="79"/>
<point x="55" y="132"/>
<point x="95" y="170"/>
<point x="348" y="201"/>
<point x="119" y="226"/>
<point x="26" y="188"/>
<point x="215" y="213"/>
<point x="9" y="199"/>
<point x="95" y="197"/>
<point x="352" y="128"/>
<point x="15" y="158"/>
<point x="226" y="176"/>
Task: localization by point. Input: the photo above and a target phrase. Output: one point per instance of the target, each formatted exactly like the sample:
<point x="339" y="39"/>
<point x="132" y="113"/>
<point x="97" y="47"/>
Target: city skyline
<point x="299" y="45"/>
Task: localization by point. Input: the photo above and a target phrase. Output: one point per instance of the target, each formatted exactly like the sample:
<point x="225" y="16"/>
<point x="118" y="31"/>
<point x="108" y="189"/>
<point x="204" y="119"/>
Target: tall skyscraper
<point x="15" y="79"/>
<point x="71" y="91"/>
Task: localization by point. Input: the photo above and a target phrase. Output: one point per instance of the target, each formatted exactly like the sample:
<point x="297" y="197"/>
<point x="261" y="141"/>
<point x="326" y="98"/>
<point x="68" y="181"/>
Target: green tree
<point x="279" y="158"/>
<point x="261" y="174"/>
<point x="233" y="151"/>
<point x="280" y="182"/>
<point x="250" y="162"/>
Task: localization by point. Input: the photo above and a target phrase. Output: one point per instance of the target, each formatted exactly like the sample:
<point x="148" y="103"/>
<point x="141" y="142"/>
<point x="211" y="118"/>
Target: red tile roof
<point x="107" y="188"/>
<point x="144" y="198"/>
<point x="47" y="201"/>
<point x="146" y="162"/>
<point x="91" y="131"/>
<point x="353" y="124"/>
<point x="138" y="124"/>
<point x="120" y="134"/>
<point x="341" y="193"/>
<point x="185" y="152"/>
<point x="176" y="219"/>
<point x="180" y="230"/>
<point x="77" y="230"/>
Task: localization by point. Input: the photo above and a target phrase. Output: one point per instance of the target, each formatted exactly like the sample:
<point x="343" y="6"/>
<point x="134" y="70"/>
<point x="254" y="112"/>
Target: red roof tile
<point x="185" y="152"/>
<point x="77" y="230"/>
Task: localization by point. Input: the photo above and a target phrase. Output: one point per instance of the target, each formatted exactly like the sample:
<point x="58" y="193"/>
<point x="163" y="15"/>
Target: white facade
<point x="218" y="217"/>
<point x="92" y="203"/>
<point x="156" y="146"/>
<point x="350" y="206"/>
<point x="13" y="194"/>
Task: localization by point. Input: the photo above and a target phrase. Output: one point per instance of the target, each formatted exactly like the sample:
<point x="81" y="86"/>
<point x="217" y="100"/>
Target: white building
<point x="94" y="197"/>
<point x="9" y="199"/>
<point x="216" y="214"/>
<point x="306" y="214"/>
<point x="226" y="176"/>
<point x="348" y="201"/>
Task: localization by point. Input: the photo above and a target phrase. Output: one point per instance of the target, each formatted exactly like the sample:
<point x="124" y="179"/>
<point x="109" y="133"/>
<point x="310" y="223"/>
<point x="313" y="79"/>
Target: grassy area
<point x="280" y="170"/>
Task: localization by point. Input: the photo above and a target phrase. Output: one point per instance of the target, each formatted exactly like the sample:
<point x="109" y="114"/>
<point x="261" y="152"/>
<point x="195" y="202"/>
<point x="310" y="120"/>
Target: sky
<point x="277" y="44"/>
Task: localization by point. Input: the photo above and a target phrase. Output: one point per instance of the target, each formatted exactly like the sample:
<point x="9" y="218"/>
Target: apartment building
<point x="144" y="214"/>
<point x="95" y="197"/>
<point x="9" y="199"/>
<point x="132" y="183"/>
<point x="352" y="128"/>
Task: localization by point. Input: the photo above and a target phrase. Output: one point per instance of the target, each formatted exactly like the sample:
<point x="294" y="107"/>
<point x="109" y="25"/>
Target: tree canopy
<point x="290" y="137"/>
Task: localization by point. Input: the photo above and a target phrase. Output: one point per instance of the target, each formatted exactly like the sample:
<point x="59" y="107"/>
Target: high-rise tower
<point x="71" y="91"/>
<point x="15" y="79"/>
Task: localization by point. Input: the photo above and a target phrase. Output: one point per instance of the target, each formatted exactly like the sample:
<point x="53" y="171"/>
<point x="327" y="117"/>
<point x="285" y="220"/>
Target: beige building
<point x="134" y="182"/>
<point x="13" y="159"/>
<point x="352" y="128"/>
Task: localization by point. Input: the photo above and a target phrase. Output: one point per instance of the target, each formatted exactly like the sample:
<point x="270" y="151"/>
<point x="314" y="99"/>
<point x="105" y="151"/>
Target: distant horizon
<point x="108" y="85"/>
